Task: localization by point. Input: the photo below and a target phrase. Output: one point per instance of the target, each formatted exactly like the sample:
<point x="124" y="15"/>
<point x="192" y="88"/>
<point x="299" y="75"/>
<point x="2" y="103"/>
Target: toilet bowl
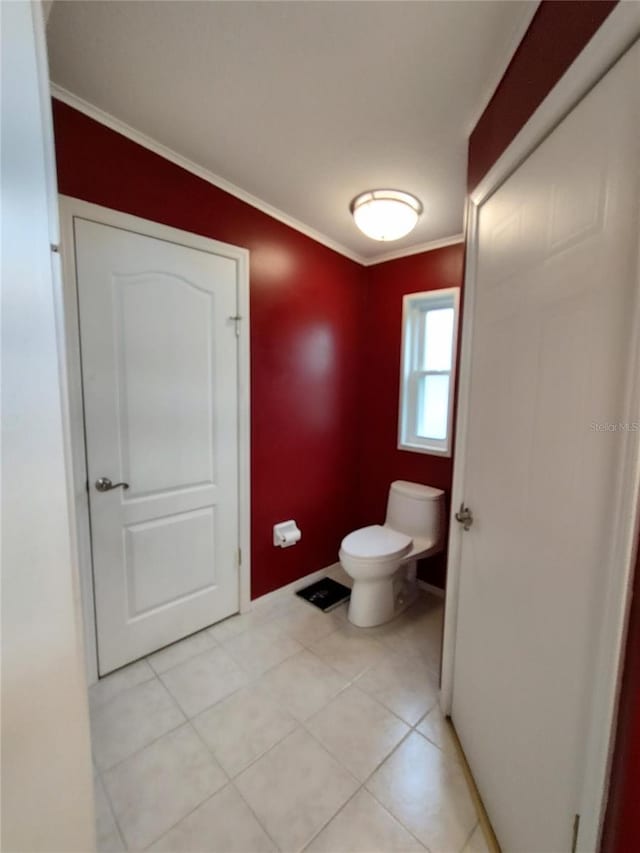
<point x="381" y="558"/>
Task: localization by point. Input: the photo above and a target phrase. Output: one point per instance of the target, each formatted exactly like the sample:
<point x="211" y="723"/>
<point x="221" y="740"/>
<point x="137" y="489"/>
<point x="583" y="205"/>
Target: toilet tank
<point x="415" y="509"/>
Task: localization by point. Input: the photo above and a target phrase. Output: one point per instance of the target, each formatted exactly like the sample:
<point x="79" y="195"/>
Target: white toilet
<point x="381" y="558"/>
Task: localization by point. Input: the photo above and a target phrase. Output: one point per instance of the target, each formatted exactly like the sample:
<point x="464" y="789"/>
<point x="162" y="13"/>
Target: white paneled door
<point x="547" y="413"/>
<point x="160" y="382"/>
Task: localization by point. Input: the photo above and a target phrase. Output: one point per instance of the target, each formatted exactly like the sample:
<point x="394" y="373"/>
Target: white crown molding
<point x="188" y="165"/>
<point x="512" y="45"/>
<point x="147" y="142"/>
<point x="413" y="250"/>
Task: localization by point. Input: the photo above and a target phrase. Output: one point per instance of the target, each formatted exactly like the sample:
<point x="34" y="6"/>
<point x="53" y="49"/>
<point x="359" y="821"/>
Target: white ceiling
<point x="301" y="104"/>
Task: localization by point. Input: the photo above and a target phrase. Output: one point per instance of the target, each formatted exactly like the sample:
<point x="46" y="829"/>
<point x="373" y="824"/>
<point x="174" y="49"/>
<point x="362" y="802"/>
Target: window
<point x="429" y="332"/>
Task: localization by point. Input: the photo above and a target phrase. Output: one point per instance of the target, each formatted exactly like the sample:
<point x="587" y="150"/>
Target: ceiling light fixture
<point x="385" y="214"/>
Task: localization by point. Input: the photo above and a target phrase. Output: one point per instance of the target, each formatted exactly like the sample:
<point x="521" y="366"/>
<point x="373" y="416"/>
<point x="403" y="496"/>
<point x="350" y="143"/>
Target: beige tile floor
<point x="283" y="729"/>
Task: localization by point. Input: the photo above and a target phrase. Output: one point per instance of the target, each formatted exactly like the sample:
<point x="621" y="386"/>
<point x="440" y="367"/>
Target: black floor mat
<point x="325" y="594"/>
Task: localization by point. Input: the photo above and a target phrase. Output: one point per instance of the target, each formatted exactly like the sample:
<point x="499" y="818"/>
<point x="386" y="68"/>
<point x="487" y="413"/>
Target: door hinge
<point x="464" y="516"/>
<point x="55" y="248"/>
<point x="236" y="318"/>
<point x="576" y="829"/>
<point x="239" y="556"/>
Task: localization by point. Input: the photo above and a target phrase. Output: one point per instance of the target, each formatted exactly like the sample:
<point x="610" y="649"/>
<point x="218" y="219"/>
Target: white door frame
<point x="69" y="209"/>
<point x="619" y="31"/>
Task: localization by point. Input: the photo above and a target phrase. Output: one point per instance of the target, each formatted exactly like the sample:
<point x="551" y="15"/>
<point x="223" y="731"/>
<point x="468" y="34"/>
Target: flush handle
<point x="464" y="516"/>
<point x="104" y="484"/>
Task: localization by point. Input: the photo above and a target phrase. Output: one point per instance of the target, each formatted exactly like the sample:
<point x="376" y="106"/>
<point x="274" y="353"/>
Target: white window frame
<point x="414" y="306"/>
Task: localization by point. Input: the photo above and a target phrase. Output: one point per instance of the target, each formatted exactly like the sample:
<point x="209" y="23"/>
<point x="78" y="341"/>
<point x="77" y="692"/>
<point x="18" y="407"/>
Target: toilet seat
<point x="376" y="542"/>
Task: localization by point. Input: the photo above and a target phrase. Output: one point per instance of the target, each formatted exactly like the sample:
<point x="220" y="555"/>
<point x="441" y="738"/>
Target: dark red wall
<point x="381" y="461"/>
<point x="558" y="32"/>
<point x="306" y="324"/>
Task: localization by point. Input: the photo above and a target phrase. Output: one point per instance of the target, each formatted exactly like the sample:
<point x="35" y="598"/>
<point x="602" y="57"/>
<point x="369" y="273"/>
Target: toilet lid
<point x="376" y="541"/>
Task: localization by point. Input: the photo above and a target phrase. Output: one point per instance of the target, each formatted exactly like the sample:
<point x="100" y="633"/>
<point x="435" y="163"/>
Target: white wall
<point x="47" y="797"/>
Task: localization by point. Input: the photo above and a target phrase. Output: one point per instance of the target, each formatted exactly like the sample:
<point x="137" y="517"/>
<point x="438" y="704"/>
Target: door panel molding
<point x="610" y="44"/>
<point x="71" y="208"/>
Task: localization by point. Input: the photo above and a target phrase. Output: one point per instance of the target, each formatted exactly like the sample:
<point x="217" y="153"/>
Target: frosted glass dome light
<point x="386" y="214"/>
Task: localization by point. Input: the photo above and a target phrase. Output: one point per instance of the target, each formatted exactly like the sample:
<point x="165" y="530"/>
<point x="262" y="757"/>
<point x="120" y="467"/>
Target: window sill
<point x="421" y="448"/>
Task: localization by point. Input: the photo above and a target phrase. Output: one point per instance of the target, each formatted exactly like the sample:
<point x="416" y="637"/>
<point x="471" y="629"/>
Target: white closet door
<point x="159" y="363"/>
<point x="557" y="275"/>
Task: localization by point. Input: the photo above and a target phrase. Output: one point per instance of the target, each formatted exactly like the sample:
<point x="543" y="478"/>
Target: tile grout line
<point x="377" y="702"/>
<point x="257" y="757"/>
<point x="113" y="812"/>
<point x="362" y="785"/>
<point x="208" y="748"/>
<point x="142" y="748"/>
<point x="155" y="739"/>
<point x="412" y="730"/>
<point x="302" y="725"/>
<point x="217" y="701"/>
<point x="122" y="761"/>
<point x="406" y="828"/>
<point x="257" y="675"/>
<point x="95" y="708"/>
<point x="188" y="814"/>
<point x="390" y="710"/>
<point x="468" y="838"/>
<point x="250" y="807"/>
<point x="215" y="645"/>
<point x="333" y="816"/>
<point x="255" y="678"/>
<point x="220" y="643"/>
<point x="147" y="660"/>
<point x="273" y="619"/>
<point x="230" y="779"/>
<point x="430" y="740"/>
<point x="225" y="774"/>
<point x="188" y="720"/>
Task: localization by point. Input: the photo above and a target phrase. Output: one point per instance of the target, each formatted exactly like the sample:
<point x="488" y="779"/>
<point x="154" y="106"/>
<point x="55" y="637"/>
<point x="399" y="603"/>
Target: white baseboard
<point x="300" y="583"/>
<point x="294" y="586"/>
<point x="431" y="589"/>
